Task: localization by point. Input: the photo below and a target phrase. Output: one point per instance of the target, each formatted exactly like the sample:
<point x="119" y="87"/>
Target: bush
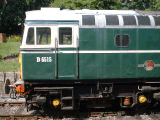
<point x="14" y="38"/>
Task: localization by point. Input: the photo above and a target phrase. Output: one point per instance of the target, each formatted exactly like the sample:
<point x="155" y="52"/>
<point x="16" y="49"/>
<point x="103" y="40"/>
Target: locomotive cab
<point x="52" y="51"/>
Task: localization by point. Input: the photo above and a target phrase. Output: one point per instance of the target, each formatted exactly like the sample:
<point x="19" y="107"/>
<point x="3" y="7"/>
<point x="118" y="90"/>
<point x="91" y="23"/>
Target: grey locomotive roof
<point x="57" y="14"/>
<point x="148" y="12"/>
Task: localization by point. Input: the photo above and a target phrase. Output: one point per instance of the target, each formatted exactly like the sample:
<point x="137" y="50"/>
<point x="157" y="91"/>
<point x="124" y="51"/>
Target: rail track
<point x="11" y="102"/>
<point x="15" y="109"/>
<point x="82" y="117"/>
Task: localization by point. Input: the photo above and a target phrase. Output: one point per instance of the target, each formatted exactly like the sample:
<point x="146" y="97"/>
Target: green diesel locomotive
<point x="73" y="59"/>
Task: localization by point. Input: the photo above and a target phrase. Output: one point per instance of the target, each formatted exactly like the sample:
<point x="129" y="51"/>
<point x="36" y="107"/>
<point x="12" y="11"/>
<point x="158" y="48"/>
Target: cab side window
<point x="30" y="37"/>
<point x="43" y="35"/>
<point x="65" y="35"/>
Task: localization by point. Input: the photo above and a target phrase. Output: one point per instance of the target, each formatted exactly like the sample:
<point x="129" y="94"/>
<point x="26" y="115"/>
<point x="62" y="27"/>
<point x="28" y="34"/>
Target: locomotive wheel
<point x="143" y="107"/>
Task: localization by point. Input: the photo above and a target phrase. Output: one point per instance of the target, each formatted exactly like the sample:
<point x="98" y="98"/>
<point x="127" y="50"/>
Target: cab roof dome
<point x="47" y="13"/>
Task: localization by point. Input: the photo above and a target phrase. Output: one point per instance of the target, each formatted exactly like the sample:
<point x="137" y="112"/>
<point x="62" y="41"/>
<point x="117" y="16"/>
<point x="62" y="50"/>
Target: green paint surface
<point x="63" y="67"/>
<point x="66" y="66"/>
<point x="117" y="65"/>
<point x="38" y="70"/>
<point x="99" y="65"/>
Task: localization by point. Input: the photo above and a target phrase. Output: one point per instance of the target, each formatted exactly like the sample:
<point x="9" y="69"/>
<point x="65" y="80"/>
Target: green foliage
<point x="73" y="4"/>
<point x="14" y="39"/>
<point x="13" y="13"/>
<point x="157" y="5"/>
<point x="86" y="4"/>
<point x="124" y="8"/>
<point x="37" y="4"/>
<point x="106" y="4"/>
<point x="140" y="5"/>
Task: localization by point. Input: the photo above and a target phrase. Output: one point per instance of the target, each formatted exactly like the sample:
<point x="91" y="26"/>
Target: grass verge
<point x="9" y="48"/>
<point x="9" y="66"/>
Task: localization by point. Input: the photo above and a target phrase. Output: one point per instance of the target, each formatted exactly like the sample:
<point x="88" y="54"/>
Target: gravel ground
<point x="12" y="110"/>
<point x="21" y="110"/>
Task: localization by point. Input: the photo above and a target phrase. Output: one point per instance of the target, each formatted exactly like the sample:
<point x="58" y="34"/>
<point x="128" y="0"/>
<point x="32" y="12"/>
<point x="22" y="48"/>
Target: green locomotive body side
<point x="37" y="70"/>
<point x="118" y="65"/>
<point x="33" y="70"/>
<point x="97" y="56"/>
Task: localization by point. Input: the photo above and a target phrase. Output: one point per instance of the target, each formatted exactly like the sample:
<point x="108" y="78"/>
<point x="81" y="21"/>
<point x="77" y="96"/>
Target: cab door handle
<point x="59" y="51"/>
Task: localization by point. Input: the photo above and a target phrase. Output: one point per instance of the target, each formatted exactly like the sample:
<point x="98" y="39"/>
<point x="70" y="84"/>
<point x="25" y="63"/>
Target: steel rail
<point x="82" y="115"/>
<point x="12" y="103"/>
<point x="12" y="117"/>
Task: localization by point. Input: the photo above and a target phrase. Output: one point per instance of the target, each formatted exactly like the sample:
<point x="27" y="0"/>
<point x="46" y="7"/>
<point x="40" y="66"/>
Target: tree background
<point x="12" y="12"/>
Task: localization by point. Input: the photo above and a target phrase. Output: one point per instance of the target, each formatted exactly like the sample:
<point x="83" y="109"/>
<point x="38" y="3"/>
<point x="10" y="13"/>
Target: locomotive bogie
<point x="93" y="96"/>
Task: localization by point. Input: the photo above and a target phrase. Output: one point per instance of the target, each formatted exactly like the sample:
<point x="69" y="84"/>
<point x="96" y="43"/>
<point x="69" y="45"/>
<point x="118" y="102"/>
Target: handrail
<point x="77" y="57"/>
<point x="56" y="57"/>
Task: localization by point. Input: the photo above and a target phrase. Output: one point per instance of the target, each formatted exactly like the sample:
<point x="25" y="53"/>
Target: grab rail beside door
<point x="77" y="57"/>
<point x="56" y="45"/>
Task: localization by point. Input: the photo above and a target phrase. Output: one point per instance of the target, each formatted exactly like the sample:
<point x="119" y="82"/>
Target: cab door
<point x="67" y="52"/>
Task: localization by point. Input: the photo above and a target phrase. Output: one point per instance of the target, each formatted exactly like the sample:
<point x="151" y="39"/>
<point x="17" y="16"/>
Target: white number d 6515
<point x="44" y="59"/>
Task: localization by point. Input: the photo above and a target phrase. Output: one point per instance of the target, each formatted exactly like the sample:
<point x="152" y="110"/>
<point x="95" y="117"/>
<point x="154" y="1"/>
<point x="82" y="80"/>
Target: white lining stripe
<point x="97" y="51"/>
<point x="29" y="52"/>
<point x="123" y="51"/>
<point x="142" y="65"/>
